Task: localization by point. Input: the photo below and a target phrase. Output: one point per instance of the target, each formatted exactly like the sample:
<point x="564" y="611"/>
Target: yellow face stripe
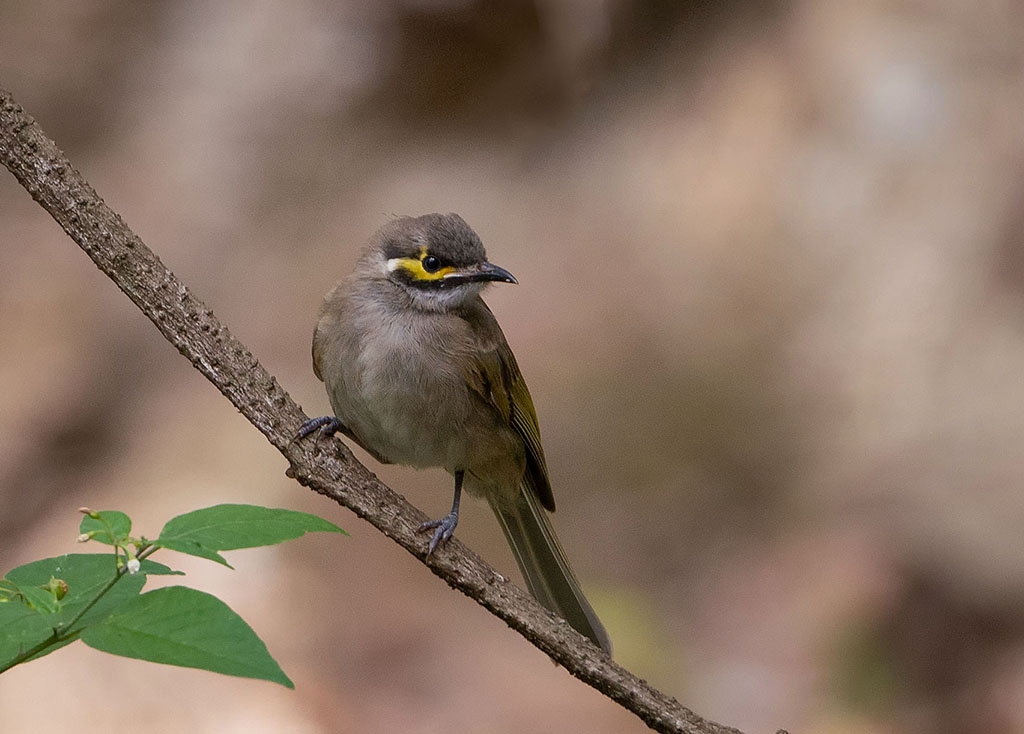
<point x="414" y="267"/>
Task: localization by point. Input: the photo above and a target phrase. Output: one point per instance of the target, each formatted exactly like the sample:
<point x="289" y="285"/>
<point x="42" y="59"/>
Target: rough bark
<point x="327" y="467"/>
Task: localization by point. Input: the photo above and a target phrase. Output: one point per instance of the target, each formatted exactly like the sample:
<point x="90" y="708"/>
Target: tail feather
<point x="545" y="567"/>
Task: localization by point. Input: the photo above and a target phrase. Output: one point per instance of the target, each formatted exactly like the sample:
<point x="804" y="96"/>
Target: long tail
<point x="545" y="567"/>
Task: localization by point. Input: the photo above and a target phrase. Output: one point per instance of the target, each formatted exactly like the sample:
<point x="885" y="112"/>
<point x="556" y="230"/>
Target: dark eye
<point x="431" y="264"/>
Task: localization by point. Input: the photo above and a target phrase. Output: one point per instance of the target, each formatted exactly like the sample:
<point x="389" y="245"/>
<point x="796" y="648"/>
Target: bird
<point x="418" y="372"/>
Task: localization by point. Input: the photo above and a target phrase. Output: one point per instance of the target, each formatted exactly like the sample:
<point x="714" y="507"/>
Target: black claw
<point x="328" y="425"/>
<point x="445" y="528"/>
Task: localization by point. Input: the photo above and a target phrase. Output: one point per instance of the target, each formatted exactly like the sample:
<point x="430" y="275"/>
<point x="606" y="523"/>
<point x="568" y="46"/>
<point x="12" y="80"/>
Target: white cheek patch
<point x="394" y="264"/>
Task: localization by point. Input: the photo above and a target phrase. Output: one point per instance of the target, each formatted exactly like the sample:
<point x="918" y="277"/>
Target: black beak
<point x="481" y="273"/>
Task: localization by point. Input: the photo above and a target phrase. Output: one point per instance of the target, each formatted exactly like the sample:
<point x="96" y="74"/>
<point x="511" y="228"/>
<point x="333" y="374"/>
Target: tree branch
<point x="326" y="467"/>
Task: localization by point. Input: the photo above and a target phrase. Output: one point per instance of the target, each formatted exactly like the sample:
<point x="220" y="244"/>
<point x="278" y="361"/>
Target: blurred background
<point x="771" y="312"/>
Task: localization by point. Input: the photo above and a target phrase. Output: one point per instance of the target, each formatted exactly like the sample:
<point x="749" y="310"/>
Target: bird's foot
<point x="328" y="425"/>
<point x="443" y="530"/>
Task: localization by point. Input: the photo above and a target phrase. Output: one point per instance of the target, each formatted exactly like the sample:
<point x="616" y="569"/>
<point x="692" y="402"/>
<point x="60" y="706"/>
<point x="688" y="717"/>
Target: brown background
<point x="770" y="312"/>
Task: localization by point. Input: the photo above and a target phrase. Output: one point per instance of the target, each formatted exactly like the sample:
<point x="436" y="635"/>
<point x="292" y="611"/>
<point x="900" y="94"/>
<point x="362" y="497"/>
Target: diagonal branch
<point x="328" y="467"/>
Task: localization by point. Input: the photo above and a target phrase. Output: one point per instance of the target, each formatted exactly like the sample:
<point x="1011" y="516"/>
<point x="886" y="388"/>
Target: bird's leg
<point x="328" y="425"/>
<point x="445" y="527"/>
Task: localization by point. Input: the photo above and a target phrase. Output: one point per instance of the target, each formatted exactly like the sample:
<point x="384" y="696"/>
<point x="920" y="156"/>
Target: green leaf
<point x="109" y="526"/>
<point x="21" y="628"/>
<point x="227" y="527"/>
<point x="181" y="626"/>
<point x="192" y="548"/>
<point x="158" y="569"/>
<point x="86" y="574"/>
<point x="42" y="600"/>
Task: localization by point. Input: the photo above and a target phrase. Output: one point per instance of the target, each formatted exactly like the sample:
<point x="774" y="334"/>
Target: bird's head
<point x="436" y="259"/>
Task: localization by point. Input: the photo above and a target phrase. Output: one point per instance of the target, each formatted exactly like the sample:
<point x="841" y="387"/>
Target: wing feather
<point x="499" y="381"/>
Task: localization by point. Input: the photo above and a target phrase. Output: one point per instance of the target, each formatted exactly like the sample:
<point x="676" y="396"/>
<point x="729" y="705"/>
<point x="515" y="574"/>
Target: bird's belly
<point x="414" y="407"/>
<point x="407" y="411"/>
<point x="406" y="431"/>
